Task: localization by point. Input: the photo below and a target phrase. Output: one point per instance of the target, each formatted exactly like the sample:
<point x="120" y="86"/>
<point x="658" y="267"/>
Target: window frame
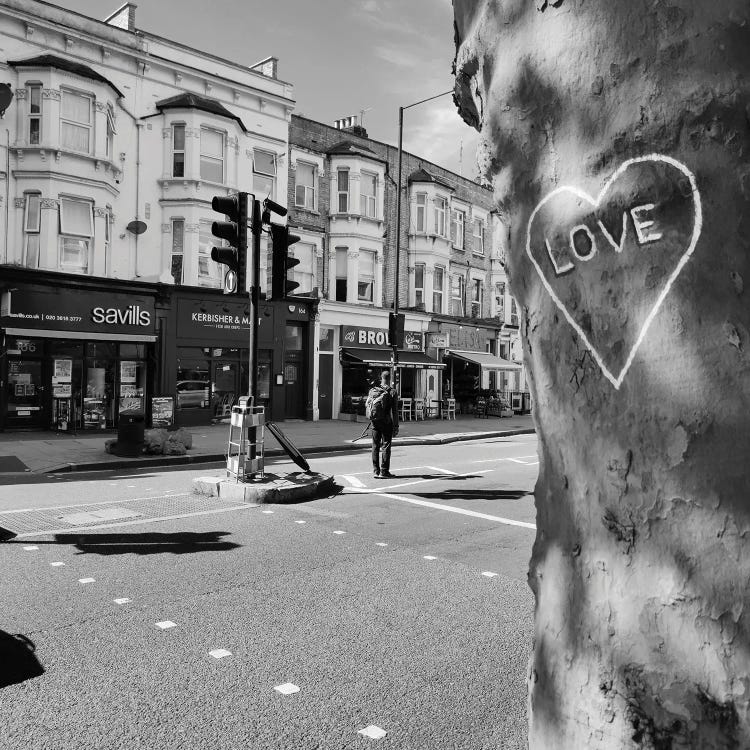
<point x="268" y="175"/>
<point x="204" y="254"/>
<point x="214" y="159"/>
<point x="458" y="228"/>
<point x="32" y="233"/>
<point x="438" y="272"/>
<point x="420" y="218"/>
<point x="419" y="289"/>
<point x="65" y="235"/>
<point x="174" y="253"/>
<point x="178" y="151"/>
<point x="440" y="209"/>
<point x="345" y="277"/>
<point x="369" y="281"/>
<point x="302" y="276"/>
<point x="460" y="296"/>
<point x="110" y="134"/>
<point x="31" y="87"/>
<point x="477" y="294"/>
<point x="305" y="187"/>
<point x="89" y="127"/>
<point x="368" y="204"/>
<point x="343" y="193"/>
<point x="479" y="239"/>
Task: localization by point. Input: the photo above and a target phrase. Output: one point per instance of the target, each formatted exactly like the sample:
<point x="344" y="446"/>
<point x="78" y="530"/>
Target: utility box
<point x="245" y="455"/>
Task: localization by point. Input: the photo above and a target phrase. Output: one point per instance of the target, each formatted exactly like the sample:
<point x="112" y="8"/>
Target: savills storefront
<point x="74" y="356"/>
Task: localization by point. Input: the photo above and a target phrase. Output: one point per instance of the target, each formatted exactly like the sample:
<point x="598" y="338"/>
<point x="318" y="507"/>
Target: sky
<point x="341" y="56"/>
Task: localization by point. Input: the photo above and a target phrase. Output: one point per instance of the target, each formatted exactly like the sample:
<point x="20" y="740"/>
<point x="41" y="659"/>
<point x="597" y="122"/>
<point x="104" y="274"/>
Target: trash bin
<point x="130" y="430"/>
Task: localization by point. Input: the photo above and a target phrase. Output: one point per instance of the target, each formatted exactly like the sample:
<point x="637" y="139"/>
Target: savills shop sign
<point x="74" y="311"/>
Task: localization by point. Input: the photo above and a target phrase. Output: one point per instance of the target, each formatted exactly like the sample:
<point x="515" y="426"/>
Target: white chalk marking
<point x="57" y="564"/>
<point x="219" y="653"/>
<point x="267" y="511"/>
<point x="616" y="380"/>
<point x="442" y="471"/>
<point x="373" y="732"/>
<point x="591" y="238"/>
<point x="122" y="600"/>
<point x="489" y="574"/>
<point x="287" y="688"/>
<point x="353" y="480"/>
<point x="381" y="544"/>
<point x="300" y="522"/>
<point x="339" y="532"/>
<point x="87" y="580"/>
<point x="166" y="624"/>
<point x="430" y="557"/>
<point x="31" y="547"/>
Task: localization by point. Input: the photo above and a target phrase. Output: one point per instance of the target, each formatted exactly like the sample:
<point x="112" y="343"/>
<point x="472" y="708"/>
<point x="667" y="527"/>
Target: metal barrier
<point x="245" y="458"/>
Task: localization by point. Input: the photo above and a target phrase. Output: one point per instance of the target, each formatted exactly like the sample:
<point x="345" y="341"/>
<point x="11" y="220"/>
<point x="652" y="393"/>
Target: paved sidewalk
<point x="43" y="452"/>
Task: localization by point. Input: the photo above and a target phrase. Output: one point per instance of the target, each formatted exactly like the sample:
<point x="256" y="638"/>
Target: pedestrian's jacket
<point x="390" y="404"/>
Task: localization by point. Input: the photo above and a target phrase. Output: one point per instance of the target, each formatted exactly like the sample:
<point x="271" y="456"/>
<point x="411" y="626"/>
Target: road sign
<point x="230" y="282"/>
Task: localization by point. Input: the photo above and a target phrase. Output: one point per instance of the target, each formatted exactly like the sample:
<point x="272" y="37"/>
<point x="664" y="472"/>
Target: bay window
<point x="341" y="273"/>
<point x="457" y="295"/>
<point x="304" y="186"/>
<point x="208" y="270"/>
<point x="478" y="237"/>
<point x="35" y="113"/>
<point x="304" y="273"/>
<point x="440" y="208"/>
<point x="421" y="222"/>
<point x="366" y="281"/>
<point x="419" y="284"/>
<point x="178" y="150"/>
<point x="76" y="234"/>
<point x="342" y="183"/>
<point x="212" y="155"/>
<point x="368" y="194"/>
<point x="264" y="174"/>
<point x="31" y="225"/>
<point x="76" y="121"/>
<point x="458" y="229"/>
<point x="178" y="250"/>
<point x="476" y="298"/>
<point x="437" y="289"/>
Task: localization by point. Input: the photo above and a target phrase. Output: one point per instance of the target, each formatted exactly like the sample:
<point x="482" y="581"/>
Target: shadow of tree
<point x="18" y="659"/>
<point x="477" y="494"/>
<point x="152" y="543"/>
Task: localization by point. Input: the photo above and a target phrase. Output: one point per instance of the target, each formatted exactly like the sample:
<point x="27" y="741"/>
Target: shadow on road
<point x="475" y="494"/>
<point x="153" y="543"/>
<point x="19" y="662"/>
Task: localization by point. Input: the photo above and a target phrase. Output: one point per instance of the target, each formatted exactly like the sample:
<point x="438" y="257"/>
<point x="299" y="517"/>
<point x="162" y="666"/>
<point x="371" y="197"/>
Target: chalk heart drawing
<point x="609" y="262"/>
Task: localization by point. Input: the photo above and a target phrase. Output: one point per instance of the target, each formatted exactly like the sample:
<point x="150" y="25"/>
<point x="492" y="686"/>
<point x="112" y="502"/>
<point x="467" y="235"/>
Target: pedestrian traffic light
<point x="281" y="287"/>
<point x="234" y="232"/>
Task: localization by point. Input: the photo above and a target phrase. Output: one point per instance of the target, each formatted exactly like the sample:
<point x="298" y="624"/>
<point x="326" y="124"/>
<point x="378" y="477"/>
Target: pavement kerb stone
<point x="200" y="458"/>
<point x="274" y="488"/>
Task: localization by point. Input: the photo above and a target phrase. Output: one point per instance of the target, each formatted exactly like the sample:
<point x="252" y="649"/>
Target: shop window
<point x="76" y="235"/>
<point x="476" y="298"/>
<point x="76" y="121"/>
<point x="192" y="387"/>
<point x="98" y="397"/>
<point x="478" y="237"/>
<point x="304" y="273"/>
<point x="441" y="206"/>
<point x="421" y="218"/>
<point x="368" y="194"/>
<point x="34" y="97"/>
<point x="178" y="150"/>
<point x="419" y="284"/>
<point x="178" y="246"/>
<point x="438" y="280"/>
<point x="212" y="155"/>
<point x="264" y="174"/>
<point x="458" y="229"/>
<point x="132" y="386"/>
<point x="366" y="281"/>
<point x="293" y="338"/>
<point x="31" y="225"/>
<point x="304" y="186"/>
<point x="208" y="270"/>
<point x="342" y="185"/>
<point x="110" y="144"/>
<point x="341" y="273"/>
<point x="457" y="295"/>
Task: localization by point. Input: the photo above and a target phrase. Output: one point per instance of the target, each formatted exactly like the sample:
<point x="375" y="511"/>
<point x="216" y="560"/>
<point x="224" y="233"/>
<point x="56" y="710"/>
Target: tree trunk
<point x="617" y="136"/>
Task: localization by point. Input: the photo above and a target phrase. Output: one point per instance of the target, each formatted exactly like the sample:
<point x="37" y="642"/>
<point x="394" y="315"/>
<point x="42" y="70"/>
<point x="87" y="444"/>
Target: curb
<point x="204" y="458"/>
<point x="274" y="488"/>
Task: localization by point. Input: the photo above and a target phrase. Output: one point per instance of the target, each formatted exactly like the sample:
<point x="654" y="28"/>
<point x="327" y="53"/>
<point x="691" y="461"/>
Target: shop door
<point x="27" y="402"/>
<point x="225" y="384"/>
<point x="294" y="386"/>
<point x="325" y="386"/>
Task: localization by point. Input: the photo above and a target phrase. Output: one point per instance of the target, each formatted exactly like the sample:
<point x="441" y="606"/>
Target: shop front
<point x="74" y="358"/>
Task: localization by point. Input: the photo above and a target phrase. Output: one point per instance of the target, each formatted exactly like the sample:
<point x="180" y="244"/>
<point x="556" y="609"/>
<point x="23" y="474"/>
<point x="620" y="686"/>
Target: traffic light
<point x="396" y="329"/>
<point x="234" y="231"/>
<point x="280" y="286"/>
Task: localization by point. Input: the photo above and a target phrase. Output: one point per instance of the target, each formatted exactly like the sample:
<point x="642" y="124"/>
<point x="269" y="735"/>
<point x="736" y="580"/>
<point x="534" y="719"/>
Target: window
<point x="110" y="145"/>
<point x="341" y="273"/>
<point x="31" y="224"/>
<point x="419" y="284"/>
<point x="178" y="150"/>
<point x="178" y="248"/>
<point x="208" y="270"/>
<point x="366" y="281"/>
<point x="513" y="312"/>
<point x="75" y="121"/>
<point x="304" y="273"/>
<point x="478" y="237"/>
<point x="107" y="241"/>
<point x="304" y="186"/>
<point x="440" y="208"/>
<point x="368" y="194"/>
<point x="342" y="180"/>
<point x="458" y="229"/>
<point x="264" y="174"/>
<point x="35" y="113"/>
<point x="437" y="289"/>
<point x="457" y="295"/>
<point x="500" y="300"/>
<point x="76" y="234"/>
<point x="421" y="212"/>
<point x="476" y="298"/>
<point x="212" y="155"/>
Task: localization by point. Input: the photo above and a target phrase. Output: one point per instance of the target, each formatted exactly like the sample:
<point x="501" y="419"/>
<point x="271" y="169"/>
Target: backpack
<point x="375" y="407"/>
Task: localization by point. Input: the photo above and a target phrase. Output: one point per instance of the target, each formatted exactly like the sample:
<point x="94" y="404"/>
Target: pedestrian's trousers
<point x="382" y="435"/>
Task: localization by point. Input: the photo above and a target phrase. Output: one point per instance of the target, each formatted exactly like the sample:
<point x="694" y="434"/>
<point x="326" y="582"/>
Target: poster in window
<point x="62" y="390"/>
<point x="162" y="411"/>
<point x="94" y="414"/>
<point x="128" y="372"/>
<point x="62" y="371"/>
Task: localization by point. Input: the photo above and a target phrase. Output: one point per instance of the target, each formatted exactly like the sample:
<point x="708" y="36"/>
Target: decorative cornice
<point x="100" y="213"/>
<point x="51" y="94"/>
<point x="49" y="203"/>
<point x="100" y="106"/>
<point x="352" y="254"/>
<point x="166" y="228"/>
<point x="21" y="93"/>
<point x="193" y="228"/>
<point x="19" y="202"/>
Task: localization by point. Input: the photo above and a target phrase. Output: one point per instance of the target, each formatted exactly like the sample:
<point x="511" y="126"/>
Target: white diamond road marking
<point x="166" y="624"/>
<point x="430" y="557"/>
<point x="57" y="564"/>
<point x="31" y="547"/>
<point x="373" y="732"/>
<point x="287" y="688"/>
<point x="122" y="600"/>
<point x="353" y="481"/>
<point x="300" y="522"/>
<point x="87" y="580"/>
<point x="266" y="511"/>
<point x="219" y="653"/>
<point x="489" y="574"/>
<point x="339" y="532"/>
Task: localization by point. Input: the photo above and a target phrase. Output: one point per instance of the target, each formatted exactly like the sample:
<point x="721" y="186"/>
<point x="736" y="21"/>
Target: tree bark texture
<point x="617" y="138"/>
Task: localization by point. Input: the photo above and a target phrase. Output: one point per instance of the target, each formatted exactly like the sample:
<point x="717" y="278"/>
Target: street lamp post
<point x="394" y="343"/>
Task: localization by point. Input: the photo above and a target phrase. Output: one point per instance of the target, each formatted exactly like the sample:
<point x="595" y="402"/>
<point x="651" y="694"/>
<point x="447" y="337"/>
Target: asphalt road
<point x="397" y="604"/>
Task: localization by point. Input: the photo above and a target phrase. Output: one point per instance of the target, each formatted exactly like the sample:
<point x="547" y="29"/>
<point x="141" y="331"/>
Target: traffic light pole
<point x="257" y="227"/>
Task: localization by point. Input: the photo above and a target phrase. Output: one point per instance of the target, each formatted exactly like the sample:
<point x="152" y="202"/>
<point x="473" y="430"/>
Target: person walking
<point x="381" y="408"/>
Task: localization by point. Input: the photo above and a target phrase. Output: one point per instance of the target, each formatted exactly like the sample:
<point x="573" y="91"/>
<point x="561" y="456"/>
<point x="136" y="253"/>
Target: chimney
<point x="351" y="125"/>
<point x="123" y="17"/>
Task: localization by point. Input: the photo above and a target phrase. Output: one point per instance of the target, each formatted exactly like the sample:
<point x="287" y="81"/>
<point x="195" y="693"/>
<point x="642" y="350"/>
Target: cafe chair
<point x="405" y="409"/>
<point x="449" y="408"/>
<point x="419" y="410"/>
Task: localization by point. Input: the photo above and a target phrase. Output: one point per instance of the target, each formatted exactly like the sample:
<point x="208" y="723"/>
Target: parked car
<point x="192" y="394"/>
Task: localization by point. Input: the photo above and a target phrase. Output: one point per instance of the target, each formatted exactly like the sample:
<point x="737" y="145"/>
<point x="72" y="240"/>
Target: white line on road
<point x="442" y="471"/>
<point x="57" y="564"/>
<point x="287" y="688"/>
<point x="419" y="481"/>
<point x="452" y="509"/>
<point x="382" y="544"/>
<point x="339" y="532"/>
<point x="219" y="653"/>
<point x="518" y="461"/>
<point x="373" y="732"/>
<point x="489" y="574"/>
<point x="31" y="547"/>
<point x="429" y="557"/>
<point x="87" y="580"/>
<point x="500" y="458"/>
<point x="122" y="600"/>
<point x="166" y="624"/>
<point x="353" y="480"/>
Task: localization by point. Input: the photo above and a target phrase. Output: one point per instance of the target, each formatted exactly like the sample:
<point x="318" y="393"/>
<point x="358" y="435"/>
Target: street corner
<point x="271" y="488"/>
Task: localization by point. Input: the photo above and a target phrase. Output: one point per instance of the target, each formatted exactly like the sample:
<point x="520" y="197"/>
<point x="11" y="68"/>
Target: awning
<point x="484" y="359"/>
<point x="382" y="357"/>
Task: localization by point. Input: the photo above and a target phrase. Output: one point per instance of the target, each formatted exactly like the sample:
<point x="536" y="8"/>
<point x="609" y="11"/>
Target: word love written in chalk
<point x="609" y="262"/>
